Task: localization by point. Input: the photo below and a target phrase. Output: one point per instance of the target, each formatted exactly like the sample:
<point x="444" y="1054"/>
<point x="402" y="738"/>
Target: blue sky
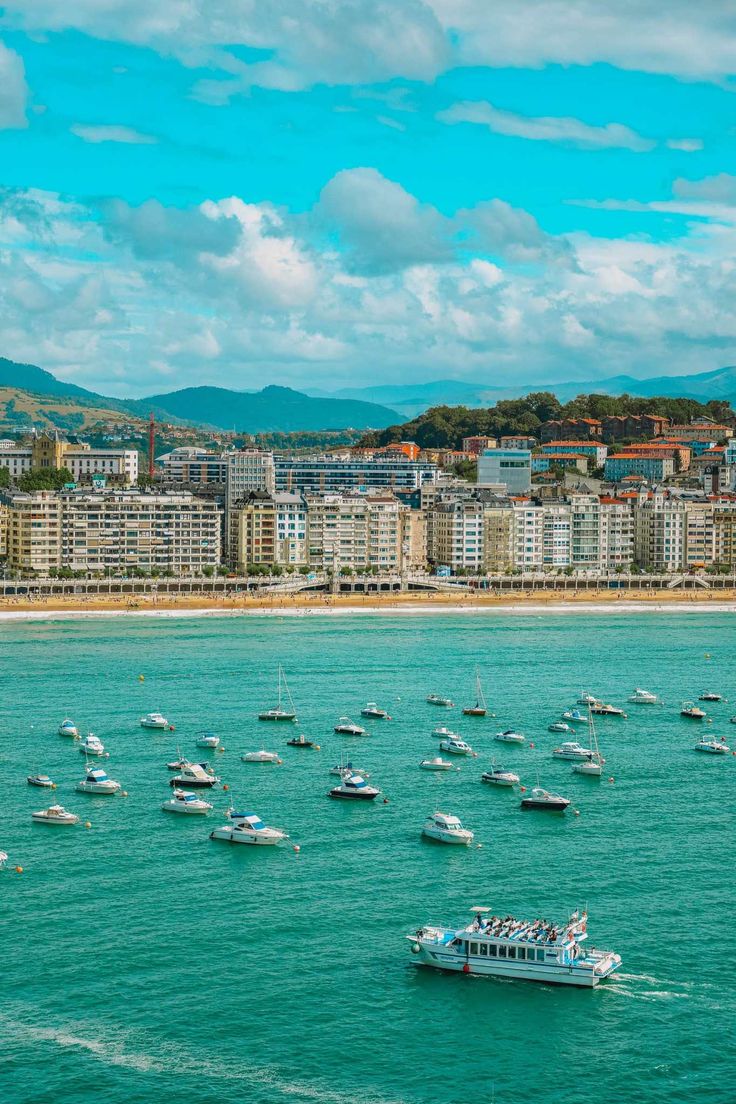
<point x="328" y="194"/>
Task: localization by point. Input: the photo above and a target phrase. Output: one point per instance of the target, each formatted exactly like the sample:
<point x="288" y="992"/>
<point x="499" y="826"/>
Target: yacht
<point x="208" y="740"/>
<point x="354" y="787"/>
<point x="690" y="709"/>
<point x="437" y="699"/>
<point x="708" y="695"/>
<point x="538" y="798"/>
<point x="183" y="801"/>
<point x="261" y="757"/>
<point x="346" y="727"/>
<point x="247" y="828"/>
<point x="154" y="720"/>
<point x="68" y="728"/>
<point x="522" y="949"/>
<point x="592" y="765"/>
<point x="712" y="747"/>
<point x="574" y="716"/>
<point x="41" y="780"/>
<point x="375" y="712"/>
<point x="93" y="745"/>
<point x="182" y="761"/>
<point x="643" y="697"/>
<point x="479" y="709"/>
<point x="509" y="737"/>
<point x="194" y="775"/>
<point x="572" y="750"/>
<point x="498" y="776"/>
<point x="559" y="726"/>
<point x="436" y="764"/>
<point x="301" y="742"/>
<point x="446" y="829"/>
<point x="445" y="733"/>
<point x="455" y="746"/>
<point x="602" y="709"/>
<point x="55" y="814"/>
<point x="97" y="782"/>
<point x="280" y="713"/>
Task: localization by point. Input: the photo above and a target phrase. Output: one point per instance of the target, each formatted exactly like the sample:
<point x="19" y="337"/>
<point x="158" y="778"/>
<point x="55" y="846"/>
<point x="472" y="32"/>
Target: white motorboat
<point x="279" y="713"/>
<point x="3" y="858"/>
<point x="587" y="699"/>
<point x="509" y="737"/>
<point x="445" y="733"/>
<point x="208" y="740"/>
<point x="710" y="696"/>
<point x="437" y="699"/>
<point x="354" y="787"/>
<point x="342" y="768"/>
<point x="498" y="776"/>
<point x="93" y="745"/>
<point x="182" y="761"/>
<point x="261" y="756"/>
<point x="572" y="750"/>
<point x="97" y="782"/>
<point x="375" y="712"/>
<point x="154" y="720"/>
<point x="480" y="708"/>
<point x="183" y="801"/>
<point x="603" y="709"/>
<point x="346" y="727"/>
<point x="41" y="780"/>
<point x="574" y="716"/>
<point x="643" y="697"/>
<point x="539" y="798"/>
<point x="693" y="711"/>
<point x="247" y="828"/>
<point x="55" y="814"/>
<point x="194" y="775"/>
<point x="559" y="726"/>
<point x="68" y="728"/>
<point x="446" y="829"/>
<point x="436" y="764"/>
<point x="455" y="746"/>
<point x="712" y="747"/>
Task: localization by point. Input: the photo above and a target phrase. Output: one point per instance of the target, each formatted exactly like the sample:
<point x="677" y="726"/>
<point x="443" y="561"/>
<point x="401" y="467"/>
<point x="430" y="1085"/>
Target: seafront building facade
<point x="54" y="450"/>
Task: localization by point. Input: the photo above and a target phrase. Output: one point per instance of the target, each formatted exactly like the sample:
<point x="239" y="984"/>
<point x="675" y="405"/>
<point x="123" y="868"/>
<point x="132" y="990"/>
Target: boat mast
<point x="591" y="722"/>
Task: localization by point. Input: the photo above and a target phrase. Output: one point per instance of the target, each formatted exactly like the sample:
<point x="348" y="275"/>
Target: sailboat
<point x="593" y="765"/>
<point x="279" y="713"/>
<point x="479" y="709"/>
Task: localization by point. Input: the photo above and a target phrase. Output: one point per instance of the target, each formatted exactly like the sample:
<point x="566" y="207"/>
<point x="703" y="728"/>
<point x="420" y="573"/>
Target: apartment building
<point x="33" y="541"/>
<point x="355" y="531"/>
<point x="270" y="529"/>
<point x="651" y="466"/>
<point x="192" y="465"/>
<point x="595" y="451"/>
<point x="455" y="534"/>
<point x="659" y="532"/>
<point x="335" y="474"/>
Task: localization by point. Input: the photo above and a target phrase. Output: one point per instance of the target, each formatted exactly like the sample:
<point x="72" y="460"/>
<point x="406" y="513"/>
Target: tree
<point x="45" y="479"/>
<point x="4" y="477"/>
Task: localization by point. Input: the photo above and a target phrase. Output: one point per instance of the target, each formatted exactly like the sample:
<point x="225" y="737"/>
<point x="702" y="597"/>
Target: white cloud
<point x="546" y="128"/>
<point x="685" y="145"/>
<point x="720" y="188"/>
<point x="13" y="90"/>
<point x="108" y="133"/>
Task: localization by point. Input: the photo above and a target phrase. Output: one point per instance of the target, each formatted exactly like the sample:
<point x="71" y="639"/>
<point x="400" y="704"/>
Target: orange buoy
<point x="466" y="968"/>
<point x="297" y="848"/>
<point x="19" y="870"/>
<point x="522" y="789"/>
<point x="225" y="786"/>
<point x="385" y="801"/>
<point x="531" y="745"/>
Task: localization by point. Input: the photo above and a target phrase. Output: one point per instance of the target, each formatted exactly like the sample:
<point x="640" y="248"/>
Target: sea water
<point x="142" y="960"/>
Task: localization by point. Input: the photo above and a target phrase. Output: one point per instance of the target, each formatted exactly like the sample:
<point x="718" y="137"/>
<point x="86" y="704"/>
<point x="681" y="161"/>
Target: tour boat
<point x="301" y="741"/>
<point x="572" y="750"/>
<point x="446" y="829"/>
<point x="709" y="695"/>
<point x="455" y="746"/>
<point x="712" y="747"/>
<point x="208" y="740"/>
<point x="183" y="801"/>
<point x="601" y="709"/>
<point x="538" y="798"/>
<point x="354" y="787"/>
<point x="154" y="720"/>
<point x="195" y="775"/>
<point x="93" y="745"/>
<point x="97" y="782"/>
<point x="643" y="697"/>
<point x="41" y="780"/>
<point x="55" y="814"/>
<point x="437" y="699"/>
<point x="574" y="716"/>
<point x="690" y="709"/>
<point x="436" y="764"/>
<point x="279" y="713"/>
<point x="374" y="711"/>
<point x="509" y="737"/>
<point x="559" y="726"/>
<point x="444" y="733"/>
<point x="261" y="757"/>
<point x="247" y="828"/>
<point x="499" y="777"/>
<point x="68" y="728"/>
<point x="346" y="727"/>
<point x="517" y="949"/>
<point x="479" y="709"/>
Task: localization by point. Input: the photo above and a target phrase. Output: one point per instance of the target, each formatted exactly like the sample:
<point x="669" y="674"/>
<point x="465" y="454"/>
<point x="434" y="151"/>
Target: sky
<point x="345" y="193"/>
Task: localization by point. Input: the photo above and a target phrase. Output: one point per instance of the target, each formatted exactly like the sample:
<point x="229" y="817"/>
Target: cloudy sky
<point x="329" y="193"/>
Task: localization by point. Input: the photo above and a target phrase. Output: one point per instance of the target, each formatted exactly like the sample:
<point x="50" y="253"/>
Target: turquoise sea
<point x="142" y="961"/>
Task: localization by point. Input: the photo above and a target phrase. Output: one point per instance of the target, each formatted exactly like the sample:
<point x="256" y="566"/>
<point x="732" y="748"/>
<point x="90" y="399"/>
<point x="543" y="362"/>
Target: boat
<point x="455" y="746"/>
<point x="539" y="798"/>
<point x="712" y="747"/>
<point x="559" y="726"/>
<point x="3" y="858"/>
<point x="437" y="699"/>
<point x="340" y="768"/>
<point x="93" y="745"/>
<point x="55" y="814"/>
<point x="574" y="716"/>
<point x="346" y="727"/>
<point x="479" y="709"/>
<point x="261" y="757"/>
<point x="154" y="720"/>
<point x="709" y="695"/>
<point x="374" y="711"/>
<point x="97" y="782"/>
<point x="525" y="950"/>
<point x="643" y="697"/>
<point x="183" y="801"/>
<point x="301" y="741"/>
<point x="693" y="711"/>
<point x="444" y="733"/>
<point x="354" y="787"/>
<point x="279" y="713"/>
<point x="68" y="728"/>
<point x="509" y="737"/>
<point x="247" y="828"/>
<point x="208" y="740"/>
<point x="41" y="780"/>
<point x="572" y="750"/>
<point x="498" y="776"/>
<point x="182" y="761"/>
<point x="587" y="699"/>
<point x="602" y="709"/>
<point x="436" y="764"/>
<point x="446" y="829"/>
<point x="194" y="775"/>
<point x="592" y="766"/>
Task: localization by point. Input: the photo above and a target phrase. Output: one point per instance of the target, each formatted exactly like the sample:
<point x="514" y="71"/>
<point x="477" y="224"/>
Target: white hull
<point x="256" y="838"/>
<point x="517" y="739"/>
<point x="582" y="977"/>
<point x="181" y="807"/>
<point x="92" y="788"/>
<point x="590" y="770"/>
<point x="430" y="766"/>
<point x="260" y="757"/>
<point x="500" y="781"/>
<point x="464" y="839"/>
<point x="41" y="818"/>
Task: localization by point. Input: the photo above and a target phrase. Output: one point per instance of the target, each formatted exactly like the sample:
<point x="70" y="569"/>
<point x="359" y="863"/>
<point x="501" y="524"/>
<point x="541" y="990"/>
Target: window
<point x="501" y="951"/>
<point x="540" y="956"/>
<point x="473" y="948"/>
<point x="521" y="953"/>
<point x="492" y="950"/>
<point x="512" y="952"/>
